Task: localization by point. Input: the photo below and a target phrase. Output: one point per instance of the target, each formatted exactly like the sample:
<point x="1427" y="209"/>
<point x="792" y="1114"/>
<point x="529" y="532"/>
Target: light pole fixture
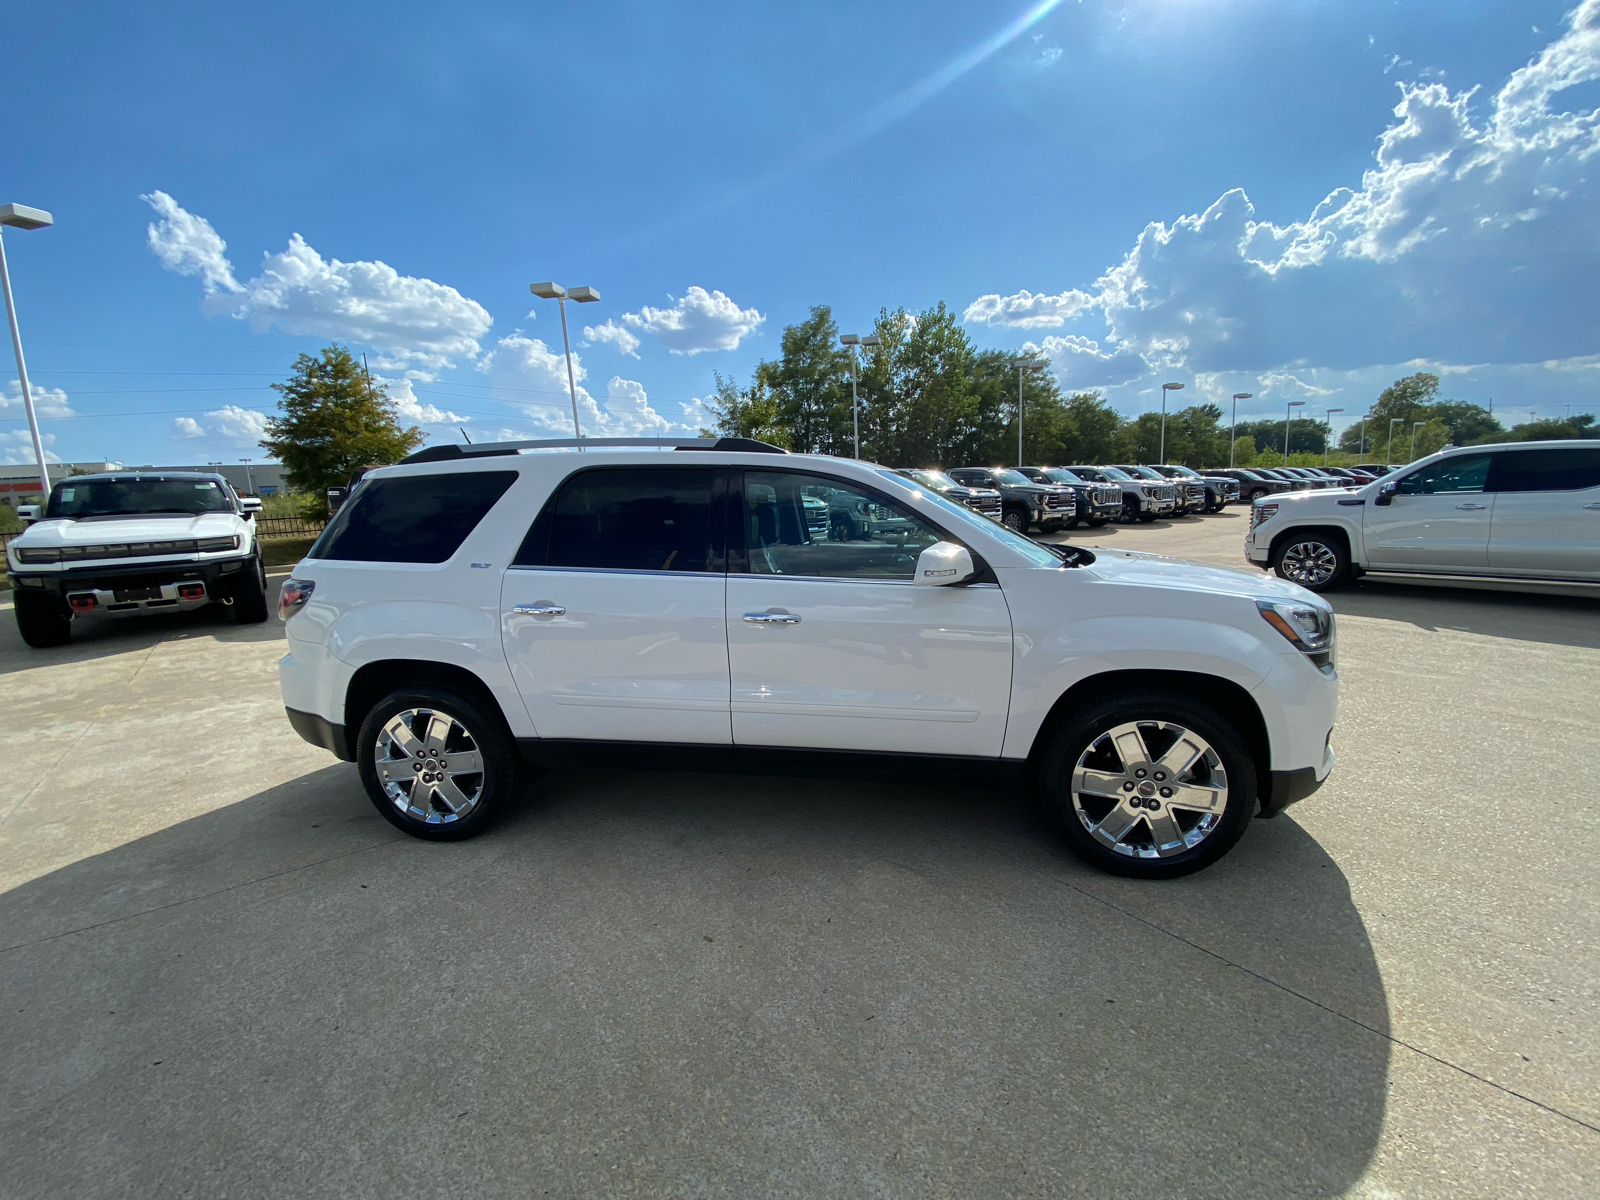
<point x="1023" y="364"/>
<point x="1288" y="424"/>
<point x="853" y="341"/>
<point x="1362" y="452"/>
<point x="1233" y="430"/>
<point x="581" y="295"/>
<point x="20" y="216"/>
<point x="1329" y="438"/>
<point x="1165" y="388"/>
<point x="1415" y="425"/>
<point x="1388" y="457"/>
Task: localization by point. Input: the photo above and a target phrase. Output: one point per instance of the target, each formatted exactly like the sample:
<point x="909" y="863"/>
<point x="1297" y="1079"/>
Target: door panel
<point x="1546" y="512"/>
<point x="1439" y="519"/>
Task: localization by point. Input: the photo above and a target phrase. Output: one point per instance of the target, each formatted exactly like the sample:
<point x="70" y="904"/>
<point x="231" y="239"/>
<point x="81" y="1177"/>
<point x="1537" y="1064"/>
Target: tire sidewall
<point x="502" y="762"/>
<point x="39" y="622"/>
<point x="1079" y="731"/>
<point x="1331" y="544"/>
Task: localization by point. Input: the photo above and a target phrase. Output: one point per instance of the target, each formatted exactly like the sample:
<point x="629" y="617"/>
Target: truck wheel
<point x="437" y="766"/>
<point x="1147" y="517"/>
<point x="1152" y="785"/>
<point x="40" y="623"/>
<point x="1255" y="494"/>
<point x="1130" y="511"/>
<point x="1072" y="524"/>
<point x="250" y="596"/>
<point x="1015" y="520"/>
<point x="1315" y="560"/>
<point x="1096" y="522"/>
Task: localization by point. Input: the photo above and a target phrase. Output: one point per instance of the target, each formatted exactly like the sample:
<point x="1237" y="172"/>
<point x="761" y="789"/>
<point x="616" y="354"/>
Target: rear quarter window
<point x="1556" y="470"/>
<point x="411" y="518"/>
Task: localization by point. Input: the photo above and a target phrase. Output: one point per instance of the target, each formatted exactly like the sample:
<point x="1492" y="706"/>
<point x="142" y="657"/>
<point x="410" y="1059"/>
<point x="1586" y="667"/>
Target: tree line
<point x="929" y="397"/>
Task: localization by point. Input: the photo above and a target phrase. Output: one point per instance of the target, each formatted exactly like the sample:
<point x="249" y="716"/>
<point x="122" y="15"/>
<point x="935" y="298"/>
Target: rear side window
<point x="411" y="519"/>
<point x="1545" y="470"/>
<point x="626" y="519"/>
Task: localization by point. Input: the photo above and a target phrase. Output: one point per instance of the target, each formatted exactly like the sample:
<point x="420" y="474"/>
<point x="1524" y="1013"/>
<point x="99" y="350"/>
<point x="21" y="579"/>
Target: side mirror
<point x="28" y="513"/>
<point x="249" y="506"/>
<point x="944" y="563"/>
<point x="1385" y="494"/>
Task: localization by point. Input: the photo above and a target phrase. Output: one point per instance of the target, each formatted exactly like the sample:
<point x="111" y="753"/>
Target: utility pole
<point x="1233" y="430"/>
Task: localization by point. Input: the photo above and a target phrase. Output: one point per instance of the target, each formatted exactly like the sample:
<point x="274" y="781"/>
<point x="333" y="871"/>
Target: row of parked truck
<point x="1052" y="498"/>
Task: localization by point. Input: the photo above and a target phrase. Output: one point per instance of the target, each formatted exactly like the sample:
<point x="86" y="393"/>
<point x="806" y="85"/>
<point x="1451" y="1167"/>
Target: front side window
<point x="411" y="518"/>
<point x="1557" y="470"/>
<point x="630" y="519"/>
<point x="810" y="525"/>
<point x="1463" y="473"/>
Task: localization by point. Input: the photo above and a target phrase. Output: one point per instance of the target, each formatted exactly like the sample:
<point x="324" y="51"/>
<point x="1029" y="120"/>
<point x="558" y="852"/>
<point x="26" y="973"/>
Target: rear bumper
<point x="320" y="731"/>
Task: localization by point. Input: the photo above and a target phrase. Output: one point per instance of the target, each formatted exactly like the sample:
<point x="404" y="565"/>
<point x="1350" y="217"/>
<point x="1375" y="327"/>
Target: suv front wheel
<point x="1153" y="785"/>
<point x="435" y="765"/>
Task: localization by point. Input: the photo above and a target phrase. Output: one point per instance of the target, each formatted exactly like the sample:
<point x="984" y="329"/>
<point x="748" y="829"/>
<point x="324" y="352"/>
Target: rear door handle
<point x="1472" y="506"/>
<point x="772" y="618"/>
<point x="539" y="610"/>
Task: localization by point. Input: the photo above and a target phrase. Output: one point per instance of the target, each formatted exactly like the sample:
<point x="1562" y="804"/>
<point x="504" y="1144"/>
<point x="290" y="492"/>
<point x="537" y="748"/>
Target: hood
<point x="100" y="531"/>
<point x="1140" y="569"/>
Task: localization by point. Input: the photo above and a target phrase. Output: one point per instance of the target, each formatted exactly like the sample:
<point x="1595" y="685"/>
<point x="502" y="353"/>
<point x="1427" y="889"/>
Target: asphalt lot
<point x="224" y="975"/>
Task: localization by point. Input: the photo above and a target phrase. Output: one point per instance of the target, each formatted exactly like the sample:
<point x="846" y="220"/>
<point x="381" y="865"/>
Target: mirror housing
<point x="943" y="564"/>
<point x="1385" y="494"/>
<point x="29" y="513"/>
<point x="249" y="506"/>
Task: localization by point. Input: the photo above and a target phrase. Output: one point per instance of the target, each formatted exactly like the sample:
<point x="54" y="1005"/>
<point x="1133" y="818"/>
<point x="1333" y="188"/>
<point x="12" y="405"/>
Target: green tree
<point x="1308" y="436"/>
<point x="810" y="385"/>
<point x="1092" y="430"/>
<point x="1416" y="398"/>
<point x="1244" y="451"/>
<point x="1580" y="426"/>
<point x="750" y="412"/>
<point x="334" y="421"/>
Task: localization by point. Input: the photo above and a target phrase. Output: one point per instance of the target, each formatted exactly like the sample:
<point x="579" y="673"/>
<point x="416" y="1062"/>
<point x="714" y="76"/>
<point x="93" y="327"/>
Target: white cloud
<point x="698" y="321"/>
<point x="234" y="424"/>
<point x="48" y="403"/>
<point x="531" y="376"/>
<point x="16" y="447"/>
<point x="413" y="411"/>
<point x="186" y="429"/>
<point x="412" y="323"/>
<point x="611" y="332"/>
<point x="1283" y="383"/>
<point x="1024" y="310"/>
<point x="1048" y="56"/>
<point x="1473" y="238"/>
<point x="1081" y="364"/>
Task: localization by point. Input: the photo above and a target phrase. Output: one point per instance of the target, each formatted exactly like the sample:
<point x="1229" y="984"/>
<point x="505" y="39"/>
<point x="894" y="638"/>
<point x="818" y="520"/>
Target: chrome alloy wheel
<point x="429" y="765"/>
<point x="1149" y="789"/>
<point x="1310" y="564"/>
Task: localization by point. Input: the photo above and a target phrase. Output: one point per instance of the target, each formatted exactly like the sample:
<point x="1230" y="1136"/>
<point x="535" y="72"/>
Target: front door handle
<point x="539" y="610"/>
<point x="1472" y="506"/>
<point x="772" y="618"/>
<point x="1592" y="505"/>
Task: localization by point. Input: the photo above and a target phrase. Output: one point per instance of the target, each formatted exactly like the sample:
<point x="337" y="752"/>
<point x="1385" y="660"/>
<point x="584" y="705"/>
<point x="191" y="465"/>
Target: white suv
<point x="476" y="611"/>
<point x="1519" y="510"/>
<point x="132" y="542"/>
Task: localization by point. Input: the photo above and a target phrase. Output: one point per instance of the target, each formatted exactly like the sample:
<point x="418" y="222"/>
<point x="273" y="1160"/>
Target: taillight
<point x="191" y="591"/>
<point x="82" y="601"/>
<point x="293" y="597"/>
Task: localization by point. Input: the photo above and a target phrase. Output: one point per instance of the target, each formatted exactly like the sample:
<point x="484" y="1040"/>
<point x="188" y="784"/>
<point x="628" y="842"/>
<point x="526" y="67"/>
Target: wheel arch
<point x="1226" y="696"/>
<point x="375" y="680"/>
<point x="1334" y="528"/>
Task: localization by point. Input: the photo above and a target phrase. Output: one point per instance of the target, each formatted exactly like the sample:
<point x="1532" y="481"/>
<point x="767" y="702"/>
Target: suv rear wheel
<point x="1315" y="560"/>
<point x="436" y="765"/>
<point x="1152" y="785"/>
<point x="40" y="622"/>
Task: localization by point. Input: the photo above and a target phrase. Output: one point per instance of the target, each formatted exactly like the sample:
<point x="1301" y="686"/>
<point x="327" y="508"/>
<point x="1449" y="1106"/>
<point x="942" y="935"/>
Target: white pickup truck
<point x="128" y="542"/>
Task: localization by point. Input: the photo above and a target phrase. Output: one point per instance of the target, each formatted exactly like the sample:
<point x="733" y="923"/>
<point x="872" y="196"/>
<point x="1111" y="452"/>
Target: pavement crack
<point x="232" y="887"/>
<point x="1285" y="988"/>
<point x="23" y="799"/>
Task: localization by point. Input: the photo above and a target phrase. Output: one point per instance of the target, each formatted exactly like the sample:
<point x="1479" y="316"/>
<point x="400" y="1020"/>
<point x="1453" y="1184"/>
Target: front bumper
<point x="1291" y="787"/>
<point x="1160" y="507"/>
<point x="220" y="576"/>
<point x="1258" y="553"/>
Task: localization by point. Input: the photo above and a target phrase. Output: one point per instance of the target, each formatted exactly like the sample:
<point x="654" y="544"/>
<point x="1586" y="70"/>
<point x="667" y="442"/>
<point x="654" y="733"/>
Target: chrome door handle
<point x="772" y="618"/>
<point x="1472" y="506"/>
<point x="539" y="610"/>
<point x="1592" y="505"/>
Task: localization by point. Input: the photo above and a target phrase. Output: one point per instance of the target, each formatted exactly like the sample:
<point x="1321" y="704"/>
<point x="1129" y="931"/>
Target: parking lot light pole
<point x="20" y="216"/>
<point x="853" y="341"/>
<point x="581" y="295"/>
<point x="1415" y="425"/>
<point x="1233" y="430"/>
<point x="1329" y="438"/>
<point x="1022" y="364"/>
<point x="1362" y="452"/>
<point x="1165" y="388"/>
<point x="1288" y="424"/>
<point x="1388" y="456"/>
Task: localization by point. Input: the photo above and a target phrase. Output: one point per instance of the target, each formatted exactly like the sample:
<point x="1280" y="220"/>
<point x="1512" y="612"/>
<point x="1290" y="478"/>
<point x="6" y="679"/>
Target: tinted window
<point x="1463" y="473"/>
<point x="811" y="525"/>
<point x="645" y="519"/>
<point x="1545" y="471"/>
<point x="411" y="518"/>
<point x="111" y="497"/>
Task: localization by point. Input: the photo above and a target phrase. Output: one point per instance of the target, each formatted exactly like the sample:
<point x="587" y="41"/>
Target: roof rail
<point x="452" y="451"/>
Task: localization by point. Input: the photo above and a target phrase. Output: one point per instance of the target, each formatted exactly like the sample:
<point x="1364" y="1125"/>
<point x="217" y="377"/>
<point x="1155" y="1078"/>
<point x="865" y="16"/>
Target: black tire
<point x="1316" y="560"/>
<point x="1084" y="737"/>
<point x="1072" y="524"/>
<point x="40" y="622"/>
<point x="1147" y="517"/>
<point x="1015" y="520"/>
<point x="1130" y="511"/>
<point x="1255" y="495"/>
<point x="250" y="594"/>
<point x="490" y="791"/>
<point x="1097" y="522"/>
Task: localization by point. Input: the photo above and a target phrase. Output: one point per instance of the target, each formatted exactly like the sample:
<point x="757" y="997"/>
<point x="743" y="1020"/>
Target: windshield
<point x="1145" y="473"/>
<point x="1036" y="553"/>
<point x="1061" y="475"/>
<point x="1011" y="478"/>
<point x="1113" y="473"/>
<point x="137" y="497"/>
<point x="1185" y="472"/>
<point x="937" y="480"/>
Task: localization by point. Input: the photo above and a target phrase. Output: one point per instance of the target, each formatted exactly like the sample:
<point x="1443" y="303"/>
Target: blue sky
<point x="1297" y="199"/>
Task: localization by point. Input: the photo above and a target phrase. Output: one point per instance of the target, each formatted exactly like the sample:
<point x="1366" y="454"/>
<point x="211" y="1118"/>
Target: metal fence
<point x="287" y="526"/>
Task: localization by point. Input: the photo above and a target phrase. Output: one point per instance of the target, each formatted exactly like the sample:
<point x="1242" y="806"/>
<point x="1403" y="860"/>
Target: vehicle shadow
<point x="1527" y="616"/>
<point x="684" y="983"/>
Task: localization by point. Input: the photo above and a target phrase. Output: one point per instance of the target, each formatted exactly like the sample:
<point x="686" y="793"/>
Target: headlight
<point x="1309" y="629"/>
<point x="38" y="556"/>
<point x="1149" y="491"/>
<point x="1260" y="514"/>
<point x="211" y="545"/>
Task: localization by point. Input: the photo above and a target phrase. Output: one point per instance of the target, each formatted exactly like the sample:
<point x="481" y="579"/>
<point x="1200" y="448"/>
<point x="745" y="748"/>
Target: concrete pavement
<point x="224" y="974"/>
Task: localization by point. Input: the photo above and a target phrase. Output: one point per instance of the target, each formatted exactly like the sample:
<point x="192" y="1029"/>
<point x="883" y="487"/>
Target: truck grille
<point x="1108" y="496"/>
<point x="1195" y="491"/>
<point x="989" y="506"/>
<point x="1060" y="501"/>
<point x="817" y="521"/>
<point x="1166" y="493"/>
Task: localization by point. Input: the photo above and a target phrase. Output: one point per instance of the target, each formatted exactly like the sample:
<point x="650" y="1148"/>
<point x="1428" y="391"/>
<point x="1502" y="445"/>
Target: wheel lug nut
<point x="1140" y="773"/>
<point x="1128" y="787"/>
<point x="1166" y="792"/>
<point x="1160" y="775"/>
